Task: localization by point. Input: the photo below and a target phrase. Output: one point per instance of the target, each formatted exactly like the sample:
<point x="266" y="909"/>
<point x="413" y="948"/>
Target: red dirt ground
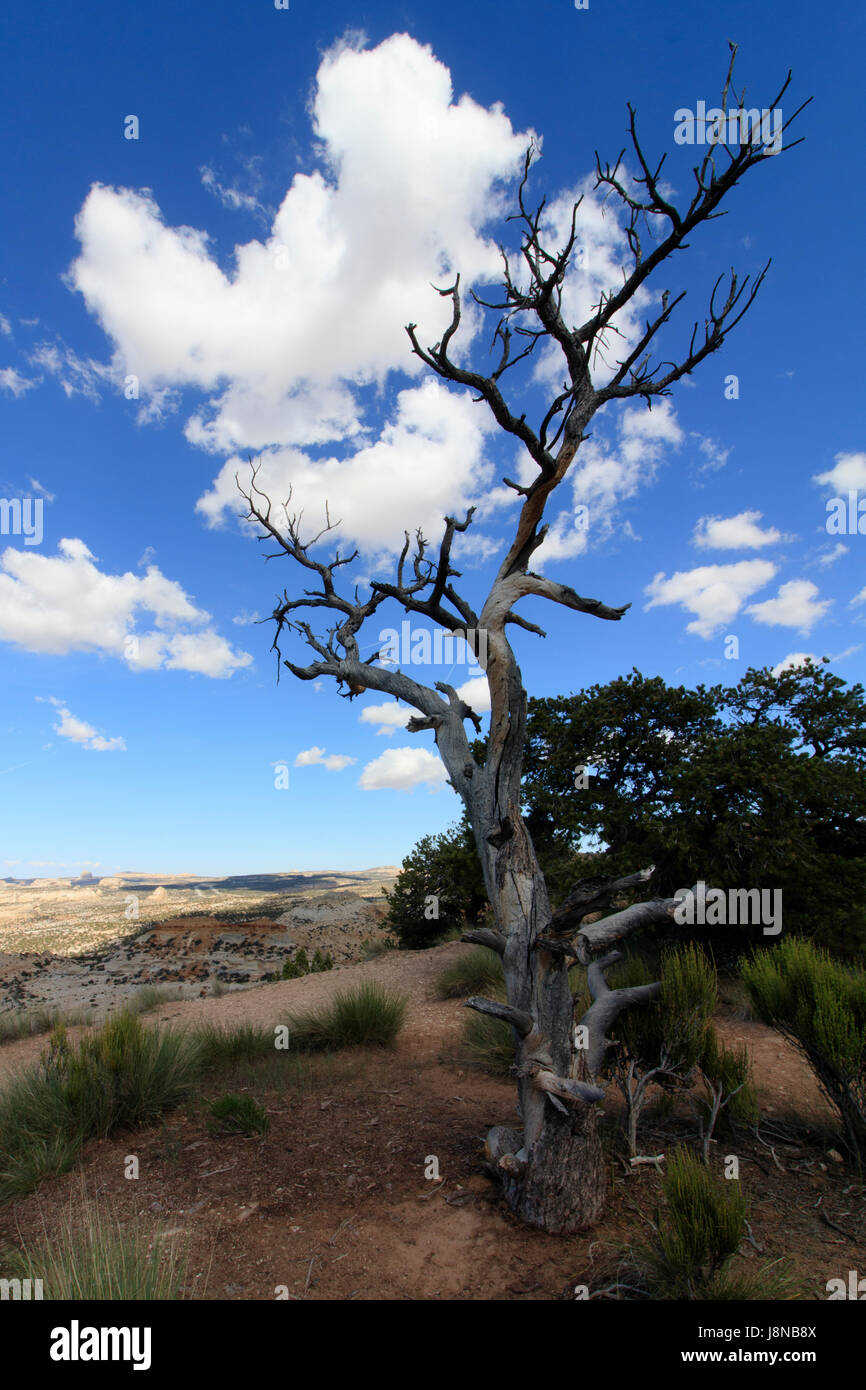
<point x="333" y="1203"/>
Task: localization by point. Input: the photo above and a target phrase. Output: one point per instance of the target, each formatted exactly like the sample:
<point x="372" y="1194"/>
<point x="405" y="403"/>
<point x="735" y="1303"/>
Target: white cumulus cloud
<point x="318" y="308"/>
<point x="403" y="768"/>
<point x="71" y="727"/>
<point x="847" y="474"/>
<point x="64" y="602"/>
<point x="334" y="762"/>
<point x="714" y="593"/>
<point x="740" y="532"/>
<point x="794" y="660"/>
<point x="796" y="605"/>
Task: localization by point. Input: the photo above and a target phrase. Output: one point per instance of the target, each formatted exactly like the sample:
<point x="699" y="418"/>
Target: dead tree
<point x="551" y="1169"/>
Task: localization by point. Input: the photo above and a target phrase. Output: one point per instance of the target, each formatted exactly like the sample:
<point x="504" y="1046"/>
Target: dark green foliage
<point x="820" y="1004"/>
<point x="672" y="1031"/>
<point x="234" y="1114"/>
<point x="300" y="964"/>
<point x="758" y="785"/>
<point x="442" y="875"/>
<point x="367" y="1016"/>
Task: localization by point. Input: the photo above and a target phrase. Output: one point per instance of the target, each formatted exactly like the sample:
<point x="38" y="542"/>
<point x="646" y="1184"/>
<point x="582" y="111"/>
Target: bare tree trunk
<point x="552" y="1171"/>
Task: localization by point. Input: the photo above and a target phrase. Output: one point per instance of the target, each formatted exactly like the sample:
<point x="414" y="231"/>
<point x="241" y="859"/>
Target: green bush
<point x="662" y="1042"/>
<point x="300" y="964"/>
<point x="700" y="1230"/>
<point x="476" y="970"/>
<point x="366" y="1016"/>
<point x="697" y="1236"/>
<point x="120" y="1075"/>
<point x="487" y="1043"/>
<point x="727" y="1076"/>
<point x="233" y="1114"/>
<point x="819" y="1004"/>
<point x="441" y="867"/>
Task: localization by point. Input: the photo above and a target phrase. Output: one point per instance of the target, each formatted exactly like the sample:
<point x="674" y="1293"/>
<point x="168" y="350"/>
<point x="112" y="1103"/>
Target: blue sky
<point x="236" y="281"/>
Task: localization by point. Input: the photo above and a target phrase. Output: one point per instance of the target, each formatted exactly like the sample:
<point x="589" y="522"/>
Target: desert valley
<point x="86" y="946"/>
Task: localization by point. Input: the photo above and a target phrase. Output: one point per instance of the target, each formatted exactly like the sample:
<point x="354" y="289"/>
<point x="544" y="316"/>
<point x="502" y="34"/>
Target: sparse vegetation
<point x="121" y="1074"/>
<point x="698" y="1234"/>
<point x="26" y="1023"/>
<point x="487" y="1043"/>
<point x="730" y="1096"/>
<point x="373" y="946"/>
<point x="819" y="1004"/>
<point x="475" y="971"/>
<point x="367" y="1016"/>
<point x="233" y="1114"/>
<point x="662" y="1043"/>
<point x="149" y="997"/>
<point x="91" y="1256"/>
<point x="218" y="1045"/>
<point x="298" y="965"/>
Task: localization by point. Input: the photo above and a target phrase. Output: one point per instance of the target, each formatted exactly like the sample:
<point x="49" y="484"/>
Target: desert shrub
<point x="300" y="964"/>
<point x="699" y="1231"/>
<point x="698" y="1234"/>
<point x="475" y="971"/>
<point x="120" y="1075"/>
<point x="373" y="946"/>
<point x="487" y="1043"/>
<point x="25" y="1023"/>
<point x="369" y="1015"/>
<point x="94" y="1257"/>
<point x="662" y="1042"/>
<point x="150" y="997"/>
<point x="819" y="1004"/>
<point x="233" y="1114"/>
<point x="730" y="1096"/>
<point x="240" y="1042"/>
